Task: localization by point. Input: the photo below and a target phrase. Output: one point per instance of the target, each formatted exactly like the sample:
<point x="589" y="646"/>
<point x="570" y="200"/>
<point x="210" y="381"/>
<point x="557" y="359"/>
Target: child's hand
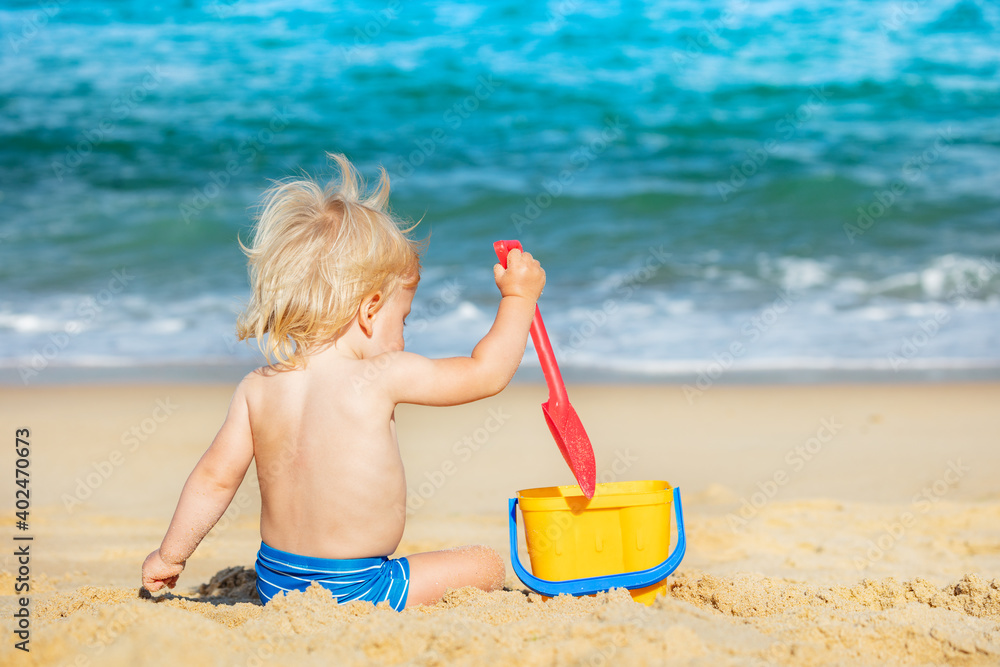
<point x="156" y="572"/>
<point x="523" y="276"/>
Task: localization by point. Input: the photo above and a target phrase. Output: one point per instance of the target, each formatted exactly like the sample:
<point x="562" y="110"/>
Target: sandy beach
<point x="792" y="209"/>
<point x="837" y="524"/>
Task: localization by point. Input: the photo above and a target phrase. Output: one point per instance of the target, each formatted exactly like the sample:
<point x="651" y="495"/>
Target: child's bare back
<point x="331" y="478"/>
<point x="333" y="279"/>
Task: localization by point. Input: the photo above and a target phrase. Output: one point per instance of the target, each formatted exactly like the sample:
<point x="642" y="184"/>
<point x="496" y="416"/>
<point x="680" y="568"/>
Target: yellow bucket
<point x="620" y="538"/>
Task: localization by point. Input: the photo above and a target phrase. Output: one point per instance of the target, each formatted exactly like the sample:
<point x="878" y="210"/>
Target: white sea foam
<point x="833" y="321"/>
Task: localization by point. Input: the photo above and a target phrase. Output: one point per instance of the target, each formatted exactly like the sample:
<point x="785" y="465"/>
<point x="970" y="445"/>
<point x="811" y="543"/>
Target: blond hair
<point x="317" y="252"/>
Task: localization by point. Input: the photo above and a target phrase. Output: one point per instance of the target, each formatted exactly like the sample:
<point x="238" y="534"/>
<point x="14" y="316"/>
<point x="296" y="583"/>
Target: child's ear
<point x="366" y="313"/>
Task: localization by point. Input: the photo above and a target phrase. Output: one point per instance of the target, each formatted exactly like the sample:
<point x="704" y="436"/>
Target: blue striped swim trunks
<point x="372" y="579"/>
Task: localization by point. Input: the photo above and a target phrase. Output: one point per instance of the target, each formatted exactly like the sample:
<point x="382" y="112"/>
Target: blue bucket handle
<point x="591" y="585"/>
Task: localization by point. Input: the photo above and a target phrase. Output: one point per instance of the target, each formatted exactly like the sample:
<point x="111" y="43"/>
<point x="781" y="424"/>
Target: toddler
<point x="332" y="277"/>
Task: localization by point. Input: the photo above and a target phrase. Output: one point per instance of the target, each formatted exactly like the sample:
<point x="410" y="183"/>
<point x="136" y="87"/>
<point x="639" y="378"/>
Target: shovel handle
<point x="540" y="338"/>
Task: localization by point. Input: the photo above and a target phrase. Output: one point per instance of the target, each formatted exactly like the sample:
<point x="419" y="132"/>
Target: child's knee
<point x="494" y="571"/>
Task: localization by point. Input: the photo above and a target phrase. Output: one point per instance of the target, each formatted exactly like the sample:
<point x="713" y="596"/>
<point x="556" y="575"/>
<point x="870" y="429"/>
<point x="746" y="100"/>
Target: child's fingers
<point x="497" y="272"/>
<point x="525" y="260"/>
<point x="519" y="260"/>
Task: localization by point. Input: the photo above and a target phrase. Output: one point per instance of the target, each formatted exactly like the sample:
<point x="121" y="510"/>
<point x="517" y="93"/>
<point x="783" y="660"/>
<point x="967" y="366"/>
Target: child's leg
<point x="434" y="572"/>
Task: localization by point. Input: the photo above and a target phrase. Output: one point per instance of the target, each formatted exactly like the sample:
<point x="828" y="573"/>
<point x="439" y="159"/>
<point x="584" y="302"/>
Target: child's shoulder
<point x="262" y="385"/>
<point x="261" y="379"/>
<point x="265" y="375"/>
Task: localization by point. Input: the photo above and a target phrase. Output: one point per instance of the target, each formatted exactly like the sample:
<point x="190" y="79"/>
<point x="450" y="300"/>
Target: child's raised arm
<point x="413" y="378"/>
<point x="207" y="493"/>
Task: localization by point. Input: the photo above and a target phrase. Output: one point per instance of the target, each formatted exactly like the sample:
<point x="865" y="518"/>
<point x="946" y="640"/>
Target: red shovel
<point x="565" y="425"/>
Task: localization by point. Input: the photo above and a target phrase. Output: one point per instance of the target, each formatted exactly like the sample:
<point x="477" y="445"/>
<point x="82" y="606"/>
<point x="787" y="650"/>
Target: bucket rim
<point x="607" y="495"/>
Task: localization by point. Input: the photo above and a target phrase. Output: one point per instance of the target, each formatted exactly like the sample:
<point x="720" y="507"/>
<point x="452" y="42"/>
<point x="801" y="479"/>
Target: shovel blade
<point x="574" y="443"/>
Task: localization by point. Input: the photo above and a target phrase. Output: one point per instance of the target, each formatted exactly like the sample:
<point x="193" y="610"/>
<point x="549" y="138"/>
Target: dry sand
<point x="831" y="525"/>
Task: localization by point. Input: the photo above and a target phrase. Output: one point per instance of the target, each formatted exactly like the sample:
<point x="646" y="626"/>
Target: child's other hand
<point x="523" y="276"/>
<point x="156" y="572"/>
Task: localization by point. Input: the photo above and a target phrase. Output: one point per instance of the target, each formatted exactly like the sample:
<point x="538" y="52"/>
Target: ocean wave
<point x="842" y="165"/>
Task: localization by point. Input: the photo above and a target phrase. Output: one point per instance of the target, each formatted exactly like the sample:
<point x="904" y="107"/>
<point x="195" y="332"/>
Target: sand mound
<point x="752" y="596"/>
<point x="742" y="620"/>
<point x="910" y="622"/>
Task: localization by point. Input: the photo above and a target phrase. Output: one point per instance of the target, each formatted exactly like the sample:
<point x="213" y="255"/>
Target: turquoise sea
<point x="713" y="187"/>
